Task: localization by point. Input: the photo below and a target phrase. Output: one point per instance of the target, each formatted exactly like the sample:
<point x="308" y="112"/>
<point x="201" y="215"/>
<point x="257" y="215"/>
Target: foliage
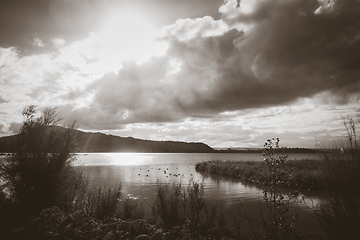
<point x="38" y="174"/>
<point x="339" y="212"/>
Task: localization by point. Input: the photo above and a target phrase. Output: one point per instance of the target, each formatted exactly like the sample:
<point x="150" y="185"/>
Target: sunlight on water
<point x="113" y="159"/>
<point x="127" y="159"/>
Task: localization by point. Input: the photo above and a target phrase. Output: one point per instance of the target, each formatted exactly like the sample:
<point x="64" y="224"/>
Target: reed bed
<point x="301" y="175"/>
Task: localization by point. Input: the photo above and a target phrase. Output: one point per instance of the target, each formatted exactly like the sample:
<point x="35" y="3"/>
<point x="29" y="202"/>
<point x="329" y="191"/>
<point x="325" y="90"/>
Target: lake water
<point x="140" y="173"/>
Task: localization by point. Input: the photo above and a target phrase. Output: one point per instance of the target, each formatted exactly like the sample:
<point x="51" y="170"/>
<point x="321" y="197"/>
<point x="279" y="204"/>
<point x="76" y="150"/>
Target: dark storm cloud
<point x="287" y="50"/>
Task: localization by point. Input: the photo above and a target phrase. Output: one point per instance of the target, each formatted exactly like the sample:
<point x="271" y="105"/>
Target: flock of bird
<point x="166" y="172"/>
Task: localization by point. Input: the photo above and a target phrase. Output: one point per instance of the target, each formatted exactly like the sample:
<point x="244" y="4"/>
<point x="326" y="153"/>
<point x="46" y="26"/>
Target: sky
<point x="225" y="73"/>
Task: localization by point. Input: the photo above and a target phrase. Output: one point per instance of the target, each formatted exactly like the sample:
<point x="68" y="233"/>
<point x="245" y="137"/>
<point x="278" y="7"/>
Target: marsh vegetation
<point x="303" y="174"/>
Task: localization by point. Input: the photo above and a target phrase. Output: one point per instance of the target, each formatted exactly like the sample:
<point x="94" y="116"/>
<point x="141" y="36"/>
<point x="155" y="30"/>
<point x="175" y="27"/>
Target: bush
<point x="278" y="222"/>
<point x="38" y="174"/>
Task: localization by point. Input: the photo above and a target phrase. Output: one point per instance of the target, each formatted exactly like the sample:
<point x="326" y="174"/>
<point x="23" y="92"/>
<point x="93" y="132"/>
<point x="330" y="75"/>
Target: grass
<point x="297" y="174"/>
<point x="339" y="213"/>
<point x="178" y="205"/>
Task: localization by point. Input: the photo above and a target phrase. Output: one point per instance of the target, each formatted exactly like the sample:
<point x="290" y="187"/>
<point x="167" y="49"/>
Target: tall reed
<point x="101" y="202"/>
<point x="169" y="205"/>
<point x="339" y="212"/>
<point x="177" y="205"/>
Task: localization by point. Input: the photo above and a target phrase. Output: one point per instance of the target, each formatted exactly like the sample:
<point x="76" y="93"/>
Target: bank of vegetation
<point x="302" y="175"/>
<point x="43" y="197"/>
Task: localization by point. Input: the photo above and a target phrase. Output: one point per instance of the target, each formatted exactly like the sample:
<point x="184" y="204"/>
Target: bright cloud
<point x="38" y="42"/>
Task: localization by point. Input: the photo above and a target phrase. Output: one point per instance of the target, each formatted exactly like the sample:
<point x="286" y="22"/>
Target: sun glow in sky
<point x="125" y="37"/>
<point x="226" y="73"/>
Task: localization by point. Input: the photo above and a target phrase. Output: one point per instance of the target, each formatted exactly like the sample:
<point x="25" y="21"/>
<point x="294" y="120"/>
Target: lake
<point x="140" y="173"/>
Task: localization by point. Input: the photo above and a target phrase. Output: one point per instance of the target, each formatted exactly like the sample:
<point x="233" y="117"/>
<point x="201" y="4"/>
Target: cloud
<point x="276" y="53"/>
<point x="14" y="127"/>
<point x="22" y="75"/>
<point x="2" y="100"/>
<point x="38" y="42"/>
<point x="1" y="129"/>
<point x="58" y="42"/>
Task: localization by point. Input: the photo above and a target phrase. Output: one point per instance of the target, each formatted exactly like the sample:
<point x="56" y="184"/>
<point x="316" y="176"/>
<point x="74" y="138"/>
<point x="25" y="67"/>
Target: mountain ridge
<point x="99" y="142"/>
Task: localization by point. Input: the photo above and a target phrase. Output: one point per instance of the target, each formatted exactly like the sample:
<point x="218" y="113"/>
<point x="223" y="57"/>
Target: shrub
<point x="278" y="222"/>
<point x="38" y="174"/>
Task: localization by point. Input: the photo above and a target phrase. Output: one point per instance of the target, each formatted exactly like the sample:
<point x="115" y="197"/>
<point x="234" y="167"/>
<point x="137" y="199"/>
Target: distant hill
<point x="260" y="150"/>
<point x="100" y="142"/>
